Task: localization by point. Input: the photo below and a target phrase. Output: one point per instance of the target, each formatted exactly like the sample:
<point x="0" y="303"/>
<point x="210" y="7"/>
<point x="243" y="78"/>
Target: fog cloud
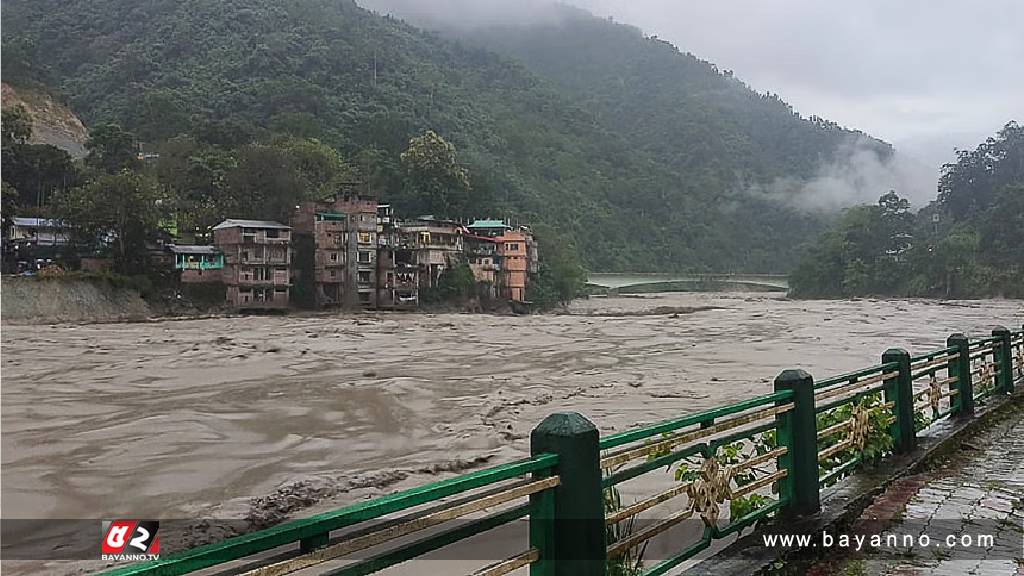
<point x="856" y="176"/>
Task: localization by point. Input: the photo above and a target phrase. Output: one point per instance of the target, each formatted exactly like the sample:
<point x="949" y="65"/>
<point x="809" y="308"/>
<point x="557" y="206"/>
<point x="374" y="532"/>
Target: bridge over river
<point x="619" y="280"/>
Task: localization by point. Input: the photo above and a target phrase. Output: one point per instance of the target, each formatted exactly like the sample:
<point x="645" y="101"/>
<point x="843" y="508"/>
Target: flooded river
<point x="195" y="418"/>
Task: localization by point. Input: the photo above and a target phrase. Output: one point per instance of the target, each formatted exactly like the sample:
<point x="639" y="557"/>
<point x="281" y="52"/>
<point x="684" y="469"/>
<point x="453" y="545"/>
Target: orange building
<point x="512" y="254"/>
<point x="515" y="256"/>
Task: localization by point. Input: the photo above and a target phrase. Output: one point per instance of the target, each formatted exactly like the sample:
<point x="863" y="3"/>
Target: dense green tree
<point x="111" y="149"/>
<point x="116" y="213"/>
<point x="965" y="244"/>
<point x="31" y="172"/>
<point x="435" y="182"/>
<point x="455" y="285"/>
<point x="17" y="126"/>
<point x="561" y="276"/>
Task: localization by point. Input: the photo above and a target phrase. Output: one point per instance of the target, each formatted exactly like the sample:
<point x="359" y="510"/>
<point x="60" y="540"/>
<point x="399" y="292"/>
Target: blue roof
<point x="489" y="224"/>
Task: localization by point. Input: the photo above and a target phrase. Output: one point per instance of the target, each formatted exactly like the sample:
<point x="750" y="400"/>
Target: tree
<point x="456" y="284"/>
<point x="17" y="126"/>
<point x="8" y="205"/>
<point x="561" y="276"/>
<point x="116" y="212"/>
<point x="435" y="182"/>
<point x="111" y="149"/>
<point x="36" y="171"/>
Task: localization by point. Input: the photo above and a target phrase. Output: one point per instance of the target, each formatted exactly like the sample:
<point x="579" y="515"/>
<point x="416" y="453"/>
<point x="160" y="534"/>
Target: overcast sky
<point x="925" y="75"/>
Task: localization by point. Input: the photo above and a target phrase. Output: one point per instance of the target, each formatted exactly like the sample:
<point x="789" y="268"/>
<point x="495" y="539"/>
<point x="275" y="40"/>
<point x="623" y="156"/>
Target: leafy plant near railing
<point x="921" y="421"/>
<point x="984" y="385"/>
<point x="729" y="455"/>
<point x="630" y="563"/>
<point x="879" y="441"/>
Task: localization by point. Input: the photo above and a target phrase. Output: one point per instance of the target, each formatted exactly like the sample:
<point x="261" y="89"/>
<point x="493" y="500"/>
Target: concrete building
<point x="336" y="251"/>
<point x="435" y="246"/>
<point x="397" y="273"/>
<point x="482" y="258"/>
<point x="198" y="263"/>
<point x="515" y="257"/>
<point x="34" y="243"/>
<point x="256" y="262"/>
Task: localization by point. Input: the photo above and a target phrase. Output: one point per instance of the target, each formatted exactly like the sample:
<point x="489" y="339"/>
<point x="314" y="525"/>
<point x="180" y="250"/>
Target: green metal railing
<point x="761" y="457"/>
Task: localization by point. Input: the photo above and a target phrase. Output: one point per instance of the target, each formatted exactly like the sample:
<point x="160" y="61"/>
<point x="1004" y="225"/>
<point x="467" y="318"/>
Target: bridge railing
<point x="733" y="466"/>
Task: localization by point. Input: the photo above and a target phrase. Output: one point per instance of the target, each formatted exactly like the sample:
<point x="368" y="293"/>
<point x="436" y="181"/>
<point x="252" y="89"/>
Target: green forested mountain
<point x="967" y="243"/>
<point x="684" y="111"/>
<point x="640" y="153"/>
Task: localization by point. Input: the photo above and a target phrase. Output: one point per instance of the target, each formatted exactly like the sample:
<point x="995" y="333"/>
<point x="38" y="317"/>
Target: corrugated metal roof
<point x="38" y="222"/>
<point x="489" y="224"/>
<point x="193" y="249"/>
<point x="234" y="223"/>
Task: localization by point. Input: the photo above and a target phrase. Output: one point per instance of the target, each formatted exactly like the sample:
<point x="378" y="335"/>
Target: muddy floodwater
<point x="233" y="417"/>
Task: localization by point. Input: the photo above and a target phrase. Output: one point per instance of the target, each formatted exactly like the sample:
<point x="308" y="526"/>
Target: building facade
<point x="397" y="272"/>
<point x="198" y="263"/>
<point x="336" y="251"/>
<point x="257" y="258"/>
<point x="434" y="246"/>
<point x="515" y="257"/>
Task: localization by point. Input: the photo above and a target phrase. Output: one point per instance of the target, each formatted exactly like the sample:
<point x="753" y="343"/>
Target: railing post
<point x="900" y="391"/>
<point x="577" y="535"/>
<point x="961" y="370"/>
<point x="1005" y="359"/>
<point x="314" y="542"/>
<point x="798" y="432"/>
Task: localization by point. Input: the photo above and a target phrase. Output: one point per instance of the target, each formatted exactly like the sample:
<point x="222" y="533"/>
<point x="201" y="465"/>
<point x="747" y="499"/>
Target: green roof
<point x="330" y="216"/>
<point x="489" y="224"/>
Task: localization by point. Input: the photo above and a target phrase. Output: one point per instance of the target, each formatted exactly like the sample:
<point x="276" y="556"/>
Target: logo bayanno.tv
<point x="130" y="540"/>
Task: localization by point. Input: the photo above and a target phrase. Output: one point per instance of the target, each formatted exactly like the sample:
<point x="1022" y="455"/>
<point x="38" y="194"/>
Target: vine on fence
<point x="877" y="443"/>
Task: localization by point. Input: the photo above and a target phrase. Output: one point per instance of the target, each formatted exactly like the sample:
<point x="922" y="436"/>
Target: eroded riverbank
<point x="260" y="417"/>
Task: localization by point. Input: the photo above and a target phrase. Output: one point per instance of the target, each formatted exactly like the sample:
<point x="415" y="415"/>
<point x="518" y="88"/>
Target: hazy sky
<point x="926" y="75"/>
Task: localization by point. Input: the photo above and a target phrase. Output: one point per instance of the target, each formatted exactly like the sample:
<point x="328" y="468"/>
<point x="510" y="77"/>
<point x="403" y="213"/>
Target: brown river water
<point x="282" y="416"/>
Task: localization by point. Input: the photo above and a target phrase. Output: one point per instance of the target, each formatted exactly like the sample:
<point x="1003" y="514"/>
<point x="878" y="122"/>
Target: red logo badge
<point x="130" y="540"/>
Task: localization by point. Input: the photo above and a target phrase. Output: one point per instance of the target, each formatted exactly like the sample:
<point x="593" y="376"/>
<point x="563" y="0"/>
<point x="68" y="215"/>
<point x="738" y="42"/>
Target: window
<point x="364" y="277"/>
<point x="245" y="255"/>
<point x="333" y="272"/>
<point x="273" y="233"/>
<point x="364" y="237"/>
<point x="334" y="256"/>
<point x="365" y="257"/>
<point x="364" y="297"/>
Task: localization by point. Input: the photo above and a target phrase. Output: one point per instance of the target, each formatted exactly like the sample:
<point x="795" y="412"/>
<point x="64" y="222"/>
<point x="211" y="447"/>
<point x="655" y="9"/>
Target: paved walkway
<point x="978" y="492"/>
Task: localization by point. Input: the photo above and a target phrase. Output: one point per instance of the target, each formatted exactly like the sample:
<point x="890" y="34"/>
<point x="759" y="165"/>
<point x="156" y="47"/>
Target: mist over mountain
<point x="649" y="158"/>
<point x="666" y="99"/>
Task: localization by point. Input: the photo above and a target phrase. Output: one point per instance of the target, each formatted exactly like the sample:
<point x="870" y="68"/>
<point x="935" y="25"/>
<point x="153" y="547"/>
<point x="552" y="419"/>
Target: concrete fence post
<point x="960" y="368"/>
<point x="1004" y="358"/>
<point x="900" y="391"/>
<point x="577" y="537"/>
<point x="798" y="432"/>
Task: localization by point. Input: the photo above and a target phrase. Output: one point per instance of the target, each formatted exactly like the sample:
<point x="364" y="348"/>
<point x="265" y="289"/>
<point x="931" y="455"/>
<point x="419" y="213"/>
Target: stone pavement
<point x="976" y="493"/>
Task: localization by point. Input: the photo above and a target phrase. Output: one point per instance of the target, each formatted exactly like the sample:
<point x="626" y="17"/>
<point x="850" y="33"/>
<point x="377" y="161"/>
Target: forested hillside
<point x="642" y="154"/>
<point x="968" y="243"/>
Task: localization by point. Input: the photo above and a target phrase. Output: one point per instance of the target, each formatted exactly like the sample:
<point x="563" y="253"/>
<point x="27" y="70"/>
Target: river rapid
<point x="267" y="417"/>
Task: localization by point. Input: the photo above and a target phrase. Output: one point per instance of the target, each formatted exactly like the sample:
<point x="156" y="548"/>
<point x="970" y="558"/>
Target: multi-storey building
<point x="436" y="245"/>
<point x="336" y="251"/>
<point x="256" y="262"/>
<point x="514" y="257"/>
<point x="397" y="273"/>
<point x="482" y="258"/>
